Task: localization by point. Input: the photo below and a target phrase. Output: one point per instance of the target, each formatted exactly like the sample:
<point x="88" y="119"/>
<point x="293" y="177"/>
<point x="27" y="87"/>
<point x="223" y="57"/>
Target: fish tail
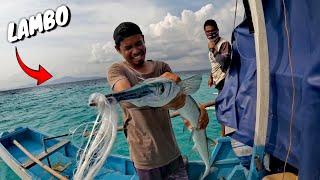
<point x="206" y="173"/>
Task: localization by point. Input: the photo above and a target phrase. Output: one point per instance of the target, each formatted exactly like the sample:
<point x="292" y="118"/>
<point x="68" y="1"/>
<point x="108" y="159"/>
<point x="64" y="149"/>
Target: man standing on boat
<point x="153" y="147"/>
<point x="219" y="54"/>
<point x="219" y="57"/>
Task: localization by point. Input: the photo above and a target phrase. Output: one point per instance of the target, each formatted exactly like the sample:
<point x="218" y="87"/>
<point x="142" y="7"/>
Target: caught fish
<point x="191" y="112"/>
<point x="157" y="92"/>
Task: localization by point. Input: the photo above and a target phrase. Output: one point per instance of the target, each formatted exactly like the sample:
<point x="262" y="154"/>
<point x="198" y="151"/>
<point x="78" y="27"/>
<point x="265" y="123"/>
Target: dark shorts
<point x="174" y="170"/>
<point x="219" y="86"/>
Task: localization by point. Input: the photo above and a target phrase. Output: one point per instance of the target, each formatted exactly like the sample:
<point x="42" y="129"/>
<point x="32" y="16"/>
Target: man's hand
<point x="211" y="45"/>
<point x="203" y="119"/>
<point x="172" y="76"/>
<point x="179" y="100"/>
<point x="176" y="103"/>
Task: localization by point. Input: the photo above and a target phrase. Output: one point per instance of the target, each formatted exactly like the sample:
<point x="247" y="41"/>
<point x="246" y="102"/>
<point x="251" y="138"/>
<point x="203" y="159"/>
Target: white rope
<point x="102" y="136"/>
<point x="292" y="83"/>
<point x="235" y="15"/>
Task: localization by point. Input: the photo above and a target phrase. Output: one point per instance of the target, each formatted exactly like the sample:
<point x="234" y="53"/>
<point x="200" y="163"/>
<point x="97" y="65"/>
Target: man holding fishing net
<point x="153" y="147"/>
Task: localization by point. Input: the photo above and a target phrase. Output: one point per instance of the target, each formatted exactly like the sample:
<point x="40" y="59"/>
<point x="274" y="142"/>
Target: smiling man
<point x="153" y="147"/>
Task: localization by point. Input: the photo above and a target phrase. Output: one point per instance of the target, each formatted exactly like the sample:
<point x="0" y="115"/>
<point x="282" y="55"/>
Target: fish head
<point x="96" y="99"/>
<point x="100" y="101"/>
<point x="161" y="92"/>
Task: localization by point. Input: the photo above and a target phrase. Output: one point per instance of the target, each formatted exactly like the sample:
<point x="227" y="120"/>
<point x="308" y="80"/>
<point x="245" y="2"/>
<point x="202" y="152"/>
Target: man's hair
<point x="124" y="30"/>
<point x="210" y="22"/>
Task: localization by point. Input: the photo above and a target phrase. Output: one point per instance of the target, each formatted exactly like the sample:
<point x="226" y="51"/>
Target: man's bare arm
<point x="223" y="55"/>
<point x="121" y="85"/>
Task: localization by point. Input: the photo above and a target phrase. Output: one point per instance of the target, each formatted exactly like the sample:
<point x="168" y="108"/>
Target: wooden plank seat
<point x="281" y="176"/>
<point x="28" y="164"/>
<point x="41" y="164"/>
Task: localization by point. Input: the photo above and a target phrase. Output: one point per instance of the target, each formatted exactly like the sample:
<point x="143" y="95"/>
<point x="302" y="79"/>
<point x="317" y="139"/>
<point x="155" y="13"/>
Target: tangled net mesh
<point x="94" y="150"/>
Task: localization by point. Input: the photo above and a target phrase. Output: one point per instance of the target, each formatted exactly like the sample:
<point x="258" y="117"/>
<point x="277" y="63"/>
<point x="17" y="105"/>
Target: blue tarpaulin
<point x="236" y="104"/>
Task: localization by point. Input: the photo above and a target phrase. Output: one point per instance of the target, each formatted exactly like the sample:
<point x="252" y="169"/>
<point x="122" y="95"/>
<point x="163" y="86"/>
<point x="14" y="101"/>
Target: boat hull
<point x="116" y="167"/>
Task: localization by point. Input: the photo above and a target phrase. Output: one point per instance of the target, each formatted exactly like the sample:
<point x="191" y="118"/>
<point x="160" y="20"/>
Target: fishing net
<point x="94" y="151"/>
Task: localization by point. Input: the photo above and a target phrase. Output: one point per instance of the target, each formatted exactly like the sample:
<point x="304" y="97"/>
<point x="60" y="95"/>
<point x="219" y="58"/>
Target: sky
<point x="173" y="33"/>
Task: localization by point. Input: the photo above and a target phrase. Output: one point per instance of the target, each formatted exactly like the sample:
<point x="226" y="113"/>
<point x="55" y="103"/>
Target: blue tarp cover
<point x="236" y="104"/>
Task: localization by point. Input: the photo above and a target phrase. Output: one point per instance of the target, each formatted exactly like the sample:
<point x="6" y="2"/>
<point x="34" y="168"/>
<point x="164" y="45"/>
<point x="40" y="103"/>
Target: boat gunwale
<point x="11" y="161"/>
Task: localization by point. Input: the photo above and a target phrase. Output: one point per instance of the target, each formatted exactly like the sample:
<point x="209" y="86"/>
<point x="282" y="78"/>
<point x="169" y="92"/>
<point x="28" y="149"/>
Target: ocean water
<point x="56" y="109"/>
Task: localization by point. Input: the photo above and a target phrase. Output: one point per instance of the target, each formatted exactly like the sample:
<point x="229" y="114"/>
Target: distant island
<point x="69" y="79"/>
<point x="66" y="79"/>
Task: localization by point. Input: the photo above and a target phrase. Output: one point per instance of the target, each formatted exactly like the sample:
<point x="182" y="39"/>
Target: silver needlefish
<point x="157" y="92"/>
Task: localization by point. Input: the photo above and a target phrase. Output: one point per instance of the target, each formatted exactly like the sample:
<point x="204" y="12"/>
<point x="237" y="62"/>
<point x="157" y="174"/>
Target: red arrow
<point x="42" y="75"/>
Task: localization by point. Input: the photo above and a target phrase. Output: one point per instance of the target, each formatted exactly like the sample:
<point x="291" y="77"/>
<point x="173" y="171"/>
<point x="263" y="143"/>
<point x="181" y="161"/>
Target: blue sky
<point x="173" y="31"/>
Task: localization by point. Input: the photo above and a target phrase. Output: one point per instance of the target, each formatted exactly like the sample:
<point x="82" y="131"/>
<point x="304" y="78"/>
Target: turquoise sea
<point x="55" y="109"/>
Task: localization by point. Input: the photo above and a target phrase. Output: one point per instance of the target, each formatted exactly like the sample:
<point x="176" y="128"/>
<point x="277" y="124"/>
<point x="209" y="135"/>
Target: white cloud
<point x="180" y="40"/>
<point x="85" y="46"/>
<point x="103" y="53"/>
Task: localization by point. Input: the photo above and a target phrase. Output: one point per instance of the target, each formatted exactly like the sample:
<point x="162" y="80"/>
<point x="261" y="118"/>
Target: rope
<point x="293" y="86"/>
<point x="101" y="138"/>
<point x="235" y="15"/>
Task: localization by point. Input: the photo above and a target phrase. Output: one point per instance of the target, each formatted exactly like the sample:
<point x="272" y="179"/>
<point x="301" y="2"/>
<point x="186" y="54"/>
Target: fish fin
<point x="194" y="148"/>
<point x="184" y="128"/>
<point x="211" y="142"/>
<point x="212" y="169"/>
<point x="190" y="138"/>
<point x="157" y="79"/>
<point x="191" y="85"/>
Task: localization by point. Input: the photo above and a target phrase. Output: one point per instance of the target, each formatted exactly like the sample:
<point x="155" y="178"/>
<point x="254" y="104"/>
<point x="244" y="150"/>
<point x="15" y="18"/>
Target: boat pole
<point x="41" y="164"/>
<point x="45" y="150"/>
<point x="263" y="83"/>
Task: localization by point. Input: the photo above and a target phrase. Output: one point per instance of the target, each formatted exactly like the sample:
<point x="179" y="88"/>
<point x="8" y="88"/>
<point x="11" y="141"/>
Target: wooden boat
<point x="35" y="155"/>
<point x="58" y="155"/>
